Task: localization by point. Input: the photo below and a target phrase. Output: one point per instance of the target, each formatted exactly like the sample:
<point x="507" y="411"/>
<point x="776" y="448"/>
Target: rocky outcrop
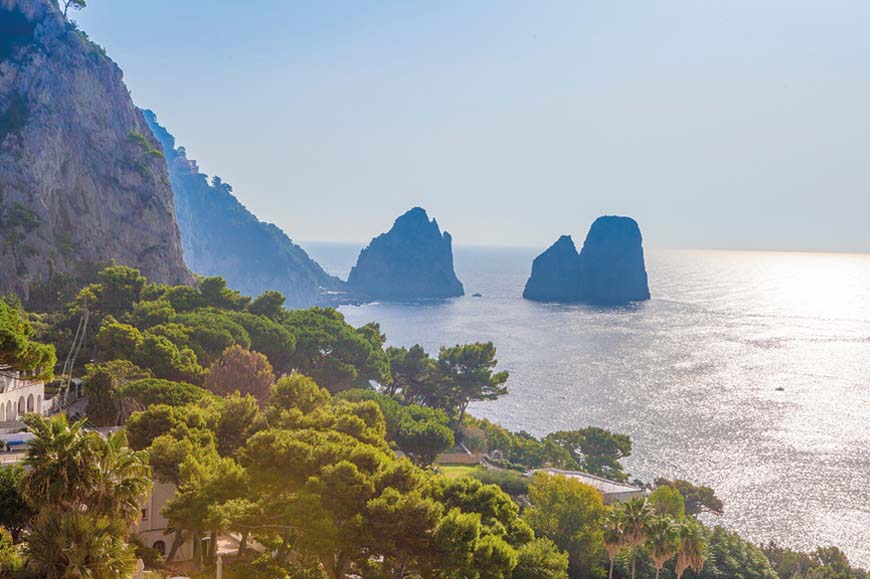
<point x="612" y="268"/>
<point x="609" y="270"/>
<point x="221" y="237"/>
<point x="81" y="179"/>
<point x="555" y="274"/>
<point x="412" y="260"/>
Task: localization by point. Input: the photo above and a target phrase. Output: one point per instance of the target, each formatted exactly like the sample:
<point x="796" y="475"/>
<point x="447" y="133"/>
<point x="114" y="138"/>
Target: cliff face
<point x="221" y="237"/>
<point x="555" y="274"/>
<point x="81" y="179"/>
<point x="609" y="270"/>
<point x="412" y="260"/>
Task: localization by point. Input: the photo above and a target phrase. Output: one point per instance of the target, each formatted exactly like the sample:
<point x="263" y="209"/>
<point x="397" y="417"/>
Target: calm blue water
<point x="691" y="376"/>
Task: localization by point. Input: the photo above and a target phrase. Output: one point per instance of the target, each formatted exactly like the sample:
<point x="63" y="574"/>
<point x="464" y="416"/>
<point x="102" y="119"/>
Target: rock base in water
<point x="609" y="270"/>
<point x="412" y="260"/>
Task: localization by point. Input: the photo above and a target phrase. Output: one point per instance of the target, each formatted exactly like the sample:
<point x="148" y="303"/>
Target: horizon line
<point x="361" y="244"/>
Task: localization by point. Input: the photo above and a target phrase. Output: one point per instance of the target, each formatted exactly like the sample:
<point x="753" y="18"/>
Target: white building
<point x="19" y="396"/>
<point x="153" y="529"/>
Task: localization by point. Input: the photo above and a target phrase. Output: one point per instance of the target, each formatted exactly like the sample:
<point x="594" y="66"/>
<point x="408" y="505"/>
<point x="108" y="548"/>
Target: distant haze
<point x="738" y="124"/>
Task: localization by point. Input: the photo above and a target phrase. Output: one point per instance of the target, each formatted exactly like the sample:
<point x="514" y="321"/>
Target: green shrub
<point x="510" y="481"/>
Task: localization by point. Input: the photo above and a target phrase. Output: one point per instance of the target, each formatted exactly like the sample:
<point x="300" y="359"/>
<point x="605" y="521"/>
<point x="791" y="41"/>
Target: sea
<point x="748" y="372"/>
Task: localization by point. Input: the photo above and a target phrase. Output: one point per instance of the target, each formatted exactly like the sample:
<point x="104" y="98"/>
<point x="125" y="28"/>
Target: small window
<point x="144" y="514"/>
<point x="160" y="547"/>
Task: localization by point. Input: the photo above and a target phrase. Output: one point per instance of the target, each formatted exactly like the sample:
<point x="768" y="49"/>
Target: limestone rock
<point x="612" y="268"/>
<point x="81" y="179"/>
<point x="555" y="274"/>
<point x="412" y="260"/>
<point x="609" y="270"/>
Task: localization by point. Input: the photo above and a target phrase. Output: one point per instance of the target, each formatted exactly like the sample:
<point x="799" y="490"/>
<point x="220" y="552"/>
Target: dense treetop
<point x="17" y="350"/>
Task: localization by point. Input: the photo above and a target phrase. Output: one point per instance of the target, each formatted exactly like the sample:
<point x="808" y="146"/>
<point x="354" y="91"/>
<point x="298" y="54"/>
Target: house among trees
<point x="18" y="396"/>
<point x="154" y="530"/>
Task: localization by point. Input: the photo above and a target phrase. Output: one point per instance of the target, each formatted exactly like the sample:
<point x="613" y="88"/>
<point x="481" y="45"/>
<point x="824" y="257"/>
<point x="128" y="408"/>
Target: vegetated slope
<point x="221" y="237"/>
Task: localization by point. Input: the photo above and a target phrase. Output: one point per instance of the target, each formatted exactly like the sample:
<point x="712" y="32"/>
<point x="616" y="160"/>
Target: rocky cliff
<point x="81" y="179"/>
<point x="412" y="260"/>
<point x="221" y="237"/>
<point x="609" y="270"/>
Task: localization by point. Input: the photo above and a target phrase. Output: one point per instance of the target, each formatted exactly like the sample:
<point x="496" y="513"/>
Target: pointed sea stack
<point x="412" y="260"/>
<point x="555" y="274"/>
<point x="608" y="271"/>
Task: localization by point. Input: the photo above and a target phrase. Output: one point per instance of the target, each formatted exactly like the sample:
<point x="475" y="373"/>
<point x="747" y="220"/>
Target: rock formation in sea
<point x="221" y="237"/>
<point x="612" y="268"/>
<point x="82" y="181"/>
<point x="609" y="270"/>
<point x="412" y="260"/>
<point x="555" y="274"/>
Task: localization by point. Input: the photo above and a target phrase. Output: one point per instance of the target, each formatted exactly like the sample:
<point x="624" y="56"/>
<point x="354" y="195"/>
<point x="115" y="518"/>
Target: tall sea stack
<point x="412" y="260"/>
<point x="612" y="268"/>
<point x="555" y="274"/>
<point x="609" y="270"/>
<point x="82" y="181"/>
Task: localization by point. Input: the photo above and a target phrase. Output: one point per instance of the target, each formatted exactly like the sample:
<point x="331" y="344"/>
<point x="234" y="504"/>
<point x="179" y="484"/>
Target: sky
<point x="729" y="125"/>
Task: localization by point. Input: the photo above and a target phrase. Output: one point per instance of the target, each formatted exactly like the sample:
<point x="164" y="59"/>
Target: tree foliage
<point x="76" y="4"/>
<point x="732" y="556"/>
<point x="698" y="499"/>
<point x="467" y="375"/>
<point x="570" y="514"/>
<point x="149" y="391"/>
<point x="18" y="351"/>
<point x="667" y="501"/>
<point x="104" y="384"/>
<point x="15" y="512"/>
<point x="336" y="355"/>
<point x="595" y="450"/>
<point x="80" y="544"/>
<point x="541" y="559"/>
<point x="243" y="371"/>
<point x="822" y="563"/>
<point x="412" y="371"/>
<point x="269" y="304"/>
<point x="167" y="360"/>
<point x="10" y="558"/>
<point x="423" y="433"/>
<point x="88" y="491"/>
<point x="118" y="341"/>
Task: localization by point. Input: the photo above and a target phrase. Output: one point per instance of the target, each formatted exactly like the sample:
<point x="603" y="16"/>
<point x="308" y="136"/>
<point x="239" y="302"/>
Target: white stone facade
<point x="153" y="528"/>
<point x="19" y="396"/>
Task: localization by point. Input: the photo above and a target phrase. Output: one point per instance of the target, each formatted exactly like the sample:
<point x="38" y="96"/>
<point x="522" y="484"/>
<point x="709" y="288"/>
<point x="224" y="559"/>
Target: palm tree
<point x="121" y="478"/>
<point x="67" y="544"/>
<point x="692" y="548"/>
<point x="614" y="536"/>
<point x="662" y="538"/>
<point x="89" y="491"/>
<point x="637" y="513"/>
<point x="72" y="469"/>
<point x="59" y="463"/>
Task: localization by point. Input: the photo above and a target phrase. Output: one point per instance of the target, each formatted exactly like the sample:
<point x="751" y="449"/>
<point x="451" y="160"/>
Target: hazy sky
<point x="738" y="124"/>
